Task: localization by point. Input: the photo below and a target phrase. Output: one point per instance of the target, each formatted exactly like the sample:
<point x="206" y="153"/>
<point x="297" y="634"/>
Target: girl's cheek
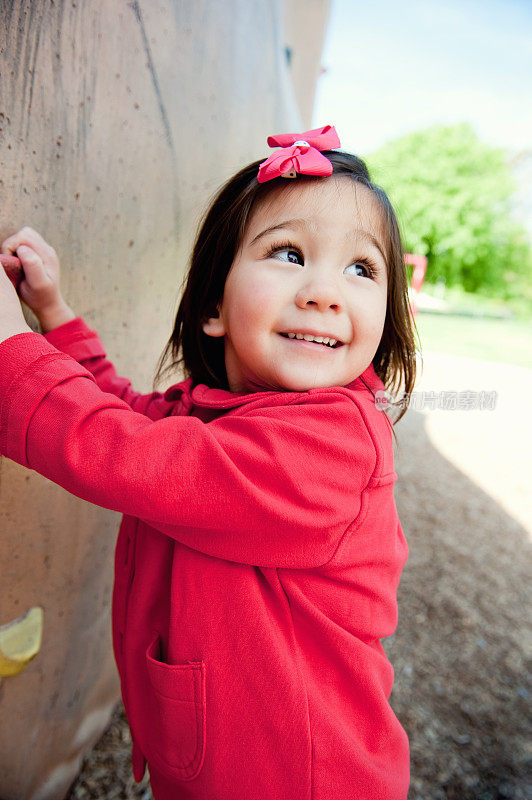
<point x="378" y="326"/>
<point x="263" y="293"/>
<point x="250" y="312"/>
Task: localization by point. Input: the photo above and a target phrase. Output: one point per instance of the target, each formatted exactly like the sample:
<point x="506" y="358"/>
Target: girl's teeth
<point x="309" y="338"/>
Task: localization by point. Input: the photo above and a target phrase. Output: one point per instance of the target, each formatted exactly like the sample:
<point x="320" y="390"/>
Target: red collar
<point x="202" y="395"/>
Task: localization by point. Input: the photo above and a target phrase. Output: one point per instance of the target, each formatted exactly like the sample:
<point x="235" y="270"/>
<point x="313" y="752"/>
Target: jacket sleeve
<point x="269" y="486"/>
<point x="77" y="340"/>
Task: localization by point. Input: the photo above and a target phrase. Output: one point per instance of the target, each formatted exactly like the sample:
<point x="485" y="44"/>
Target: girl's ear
<point x="214" y="326"/>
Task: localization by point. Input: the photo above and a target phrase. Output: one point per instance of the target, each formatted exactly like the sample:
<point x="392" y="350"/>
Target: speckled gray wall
<point x="118" y="120"/>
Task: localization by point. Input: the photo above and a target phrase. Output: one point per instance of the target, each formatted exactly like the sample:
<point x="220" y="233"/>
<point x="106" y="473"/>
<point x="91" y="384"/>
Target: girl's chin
<point x="303" y="380"/>
<point x="290" y="376"/>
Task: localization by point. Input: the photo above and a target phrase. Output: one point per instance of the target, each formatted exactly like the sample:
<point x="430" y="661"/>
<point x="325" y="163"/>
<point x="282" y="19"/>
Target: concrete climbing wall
<point x="117" y="121"/>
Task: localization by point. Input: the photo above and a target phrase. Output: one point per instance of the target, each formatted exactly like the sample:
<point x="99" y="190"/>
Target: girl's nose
<point x="321" y="294"/>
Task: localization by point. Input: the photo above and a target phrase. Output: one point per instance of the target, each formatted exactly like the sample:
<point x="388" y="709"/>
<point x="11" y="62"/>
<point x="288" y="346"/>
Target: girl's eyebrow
<point x="287" y="223"/>
<point x="358" y="233"/>
<point x="362" y="234"/>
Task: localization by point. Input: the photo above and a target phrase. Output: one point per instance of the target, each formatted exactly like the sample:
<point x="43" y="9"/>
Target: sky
<point x="394" y="66"/>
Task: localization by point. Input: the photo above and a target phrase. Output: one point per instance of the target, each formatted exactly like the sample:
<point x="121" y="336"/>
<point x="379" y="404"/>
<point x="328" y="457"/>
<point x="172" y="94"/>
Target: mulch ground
<point x="462" y="687"/>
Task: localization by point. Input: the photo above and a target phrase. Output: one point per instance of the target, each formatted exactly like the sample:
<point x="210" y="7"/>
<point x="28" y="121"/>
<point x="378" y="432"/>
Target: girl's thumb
<point x="31" y="263"/>
<point x="26" y="253"/>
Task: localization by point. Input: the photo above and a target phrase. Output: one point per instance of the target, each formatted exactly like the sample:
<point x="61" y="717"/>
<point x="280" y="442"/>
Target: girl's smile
<point x="312" y="265"/>
<point x="314" y="338"/>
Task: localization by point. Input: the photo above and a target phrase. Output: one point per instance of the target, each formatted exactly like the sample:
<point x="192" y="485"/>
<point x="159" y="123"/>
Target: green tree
<point x="453" y="194"/>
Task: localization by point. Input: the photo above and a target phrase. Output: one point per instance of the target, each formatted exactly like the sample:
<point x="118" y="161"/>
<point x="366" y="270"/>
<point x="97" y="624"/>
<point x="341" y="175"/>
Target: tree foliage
<point x="452" y="193"/>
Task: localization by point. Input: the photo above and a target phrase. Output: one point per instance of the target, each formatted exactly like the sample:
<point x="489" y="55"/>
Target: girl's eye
<point x="288" y="254"/>
<point x="364" y="269"/>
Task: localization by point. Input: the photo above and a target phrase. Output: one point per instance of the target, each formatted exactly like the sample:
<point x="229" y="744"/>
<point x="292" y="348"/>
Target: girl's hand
<point x="11" y="317"/>
<point x="40" y="287"/>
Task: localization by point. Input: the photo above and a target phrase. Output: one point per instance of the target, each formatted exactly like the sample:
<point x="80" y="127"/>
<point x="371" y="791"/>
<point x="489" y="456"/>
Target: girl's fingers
<point x="34" y="270"/>
<point x="12" y="242"/>
<point x="8" y="247"/>
<point x="30" y="237"/>
<point x="28" y="255"/>
<point x="35" y="240"/>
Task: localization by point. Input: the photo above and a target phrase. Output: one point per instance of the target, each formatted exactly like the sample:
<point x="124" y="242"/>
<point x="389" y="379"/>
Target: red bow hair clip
<point x="300" y="152"/>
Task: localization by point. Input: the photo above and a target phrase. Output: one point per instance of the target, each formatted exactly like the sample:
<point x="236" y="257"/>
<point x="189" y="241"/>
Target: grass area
<point x="461" y="301"/>
<point x="507" y="340"/>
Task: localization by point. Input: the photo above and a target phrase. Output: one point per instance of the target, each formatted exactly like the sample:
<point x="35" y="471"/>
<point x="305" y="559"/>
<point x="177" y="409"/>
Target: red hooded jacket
<point x="256" y="568"/>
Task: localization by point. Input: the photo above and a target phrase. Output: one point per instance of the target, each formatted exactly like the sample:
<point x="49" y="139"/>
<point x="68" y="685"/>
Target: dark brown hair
<point x="217" y="243"/>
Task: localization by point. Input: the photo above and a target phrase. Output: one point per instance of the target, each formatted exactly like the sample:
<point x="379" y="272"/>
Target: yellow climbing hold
<point x="20" y="641"/>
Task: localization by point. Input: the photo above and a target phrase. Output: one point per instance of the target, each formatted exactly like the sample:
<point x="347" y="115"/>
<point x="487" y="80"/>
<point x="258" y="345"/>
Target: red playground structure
<point x="418" y="276"/>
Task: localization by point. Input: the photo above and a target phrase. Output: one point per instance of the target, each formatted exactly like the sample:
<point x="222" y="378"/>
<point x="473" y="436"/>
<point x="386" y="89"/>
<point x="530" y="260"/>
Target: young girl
<point x="260" y="549"/>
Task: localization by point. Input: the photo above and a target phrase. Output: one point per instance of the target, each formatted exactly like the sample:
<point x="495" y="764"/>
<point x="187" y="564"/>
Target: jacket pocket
<point x="175" y="740"/>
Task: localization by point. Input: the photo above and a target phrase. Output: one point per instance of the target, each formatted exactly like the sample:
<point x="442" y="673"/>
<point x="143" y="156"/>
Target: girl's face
<point x="312" y="261"/>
